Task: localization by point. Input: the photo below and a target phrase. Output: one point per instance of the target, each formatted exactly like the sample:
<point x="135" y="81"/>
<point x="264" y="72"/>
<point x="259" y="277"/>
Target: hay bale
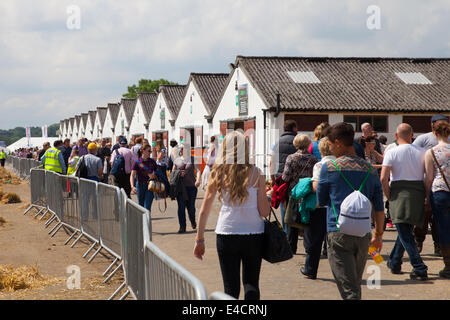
<point x="7" y="178"/>
<point x="23" y="277"/>
<point x="10" y="197"/>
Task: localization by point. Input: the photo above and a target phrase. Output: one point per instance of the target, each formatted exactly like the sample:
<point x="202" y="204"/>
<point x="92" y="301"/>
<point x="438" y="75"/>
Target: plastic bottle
<point x="375" y="255"/>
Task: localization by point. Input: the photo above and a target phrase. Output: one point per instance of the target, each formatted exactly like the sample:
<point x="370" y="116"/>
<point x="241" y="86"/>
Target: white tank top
<point x="241" y="219"/>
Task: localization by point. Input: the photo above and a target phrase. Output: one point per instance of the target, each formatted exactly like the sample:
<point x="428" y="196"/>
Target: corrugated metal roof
<point x="350" y="84"/>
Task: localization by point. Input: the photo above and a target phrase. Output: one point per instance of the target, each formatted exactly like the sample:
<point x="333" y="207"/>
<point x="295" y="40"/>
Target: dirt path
<point x="25" y="241"/>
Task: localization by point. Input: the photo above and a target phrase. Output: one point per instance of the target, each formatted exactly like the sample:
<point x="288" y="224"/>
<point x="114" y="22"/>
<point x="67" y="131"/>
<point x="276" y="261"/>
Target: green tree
<point x="145" y="85"/>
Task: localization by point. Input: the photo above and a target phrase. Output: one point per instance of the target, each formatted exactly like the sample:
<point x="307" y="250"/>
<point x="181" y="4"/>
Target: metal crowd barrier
<point x="104" y="215"/>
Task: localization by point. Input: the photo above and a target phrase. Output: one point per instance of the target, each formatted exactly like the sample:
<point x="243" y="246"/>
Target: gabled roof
<point x="113" y="112"/>
<point x="84" y="118"/>
<point x="148" y="101"/>
<point x="101" y="113"/>
<point x="209" y="86"/>
<point x="173" y="95"/>
<point x="91" y="117"/>
<point x="71" y="121"/>
<point x="129" y="104"/>
<point x="350" y="84"/>
<point x="77" y="122"/>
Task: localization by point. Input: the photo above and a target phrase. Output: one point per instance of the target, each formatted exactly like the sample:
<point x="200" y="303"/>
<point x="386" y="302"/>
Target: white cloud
<point x="53" y="73"/>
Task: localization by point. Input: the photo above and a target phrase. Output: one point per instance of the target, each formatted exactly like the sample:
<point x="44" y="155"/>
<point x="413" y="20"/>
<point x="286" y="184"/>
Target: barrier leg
<point x="125" y="295"/>
<point x="113" y="273"/>
<point x="73" y="234"/>
<point x="95" y="254"/>
<point x="55" y="226"/>
<point x="76" y="240"/>
<point x="57" y="229"/>
<point x="110" y="267"/>
<point x="117" y="291"/>
<point x="49" y="222"/>
<point x="42" y="217"/>
<point x="28" y="209"/>
<point x="39" y="212"/>
<point x="90" y="248"/>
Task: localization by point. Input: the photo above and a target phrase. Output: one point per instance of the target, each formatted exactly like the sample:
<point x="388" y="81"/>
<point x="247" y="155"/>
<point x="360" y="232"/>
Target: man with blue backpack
<point x="349" y="187"/>
<point x="122" y="160"/>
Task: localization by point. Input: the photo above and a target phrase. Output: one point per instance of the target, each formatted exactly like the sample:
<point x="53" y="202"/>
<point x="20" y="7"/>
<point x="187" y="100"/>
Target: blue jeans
<point x="145" y="197"/>
<point x="97" y="179"/>
<point x="405" y="241"/>
<point x="440" y="204"/>
<point x="189" y="204"/>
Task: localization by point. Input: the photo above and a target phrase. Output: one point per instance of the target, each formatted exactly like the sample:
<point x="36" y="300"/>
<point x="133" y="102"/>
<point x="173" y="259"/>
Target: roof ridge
<point x="209" y="74"/>
<point x="341" y="58"/>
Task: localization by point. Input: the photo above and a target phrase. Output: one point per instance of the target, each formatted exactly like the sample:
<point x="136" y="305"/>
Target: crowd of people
<point x="410" y="178"/>
<point x="406" y="184"/>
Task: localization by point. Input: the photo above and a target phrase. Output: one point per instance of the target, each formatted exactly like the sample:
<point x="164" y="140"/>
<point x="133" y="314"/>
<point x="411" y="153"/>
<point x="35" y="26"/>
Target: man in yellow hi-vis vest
<point x="2" y="157"/>
<point x="53" y="159"/>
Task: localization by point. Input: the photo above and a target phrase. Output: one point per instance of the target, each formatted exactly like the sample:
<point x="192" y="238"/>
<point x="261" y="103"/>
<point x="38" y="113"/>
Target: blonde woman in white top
<point x="240" y="227"/>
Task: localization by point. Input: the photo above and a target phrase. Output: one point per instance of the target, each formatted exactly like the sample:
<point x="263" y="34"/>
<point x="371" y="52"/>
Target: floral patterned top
<point x="298" y="165"/>
<point x="442" y="154"/>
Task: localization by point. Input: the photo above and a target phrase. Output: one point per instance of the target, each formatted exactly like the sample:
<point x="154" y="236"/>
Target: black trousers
<point x="313" y="238"/>
<point x="234" y="249"/>
<point x="2" y="162"/>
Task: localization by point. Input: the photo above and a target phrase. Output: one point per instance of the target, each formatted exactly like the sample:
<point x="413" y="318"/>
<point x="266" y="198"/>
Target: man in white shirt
<point x="404" y="166"/>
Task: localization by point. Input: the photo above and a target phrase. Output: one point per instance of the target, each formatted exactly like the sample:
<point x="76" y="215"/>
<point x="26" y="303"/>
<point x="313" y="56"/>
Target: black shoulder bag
<point x="276" y="246"/>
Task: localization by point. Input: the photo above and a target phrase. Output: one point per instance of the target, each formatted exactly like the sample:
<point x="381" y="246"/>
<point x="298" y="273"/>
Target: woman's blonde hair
<point x="324" y="147"/>
<point x="319" y="131"/>
<point x="232" y="169"/>
<point x="301" y="141"/>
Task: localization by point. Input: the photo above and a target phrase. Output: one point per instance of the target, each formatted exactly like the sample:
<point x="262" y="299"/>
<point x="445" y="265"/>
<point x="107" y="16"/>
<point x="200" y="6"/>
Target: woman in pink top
<point x="240" y="226"/>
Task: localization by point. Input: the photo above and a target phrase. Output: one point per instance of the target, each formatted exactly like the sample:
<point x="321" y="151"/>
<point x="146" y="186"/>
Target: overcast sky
<point x="50" y="70"/>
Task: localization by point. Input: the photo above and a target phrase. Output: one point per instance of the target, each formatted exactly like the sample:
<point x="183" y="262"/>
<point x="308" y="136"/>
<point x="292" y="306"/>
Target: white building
<point x="70" y="131"/>
<point x="126" y="110"/>
<point x="99" y="122"/>
<point x="76" y="126"/>
<point x="263" y="92"/>
<point x="62" y="129"/>
<point x="83" y="124"/>
<point x="89" y="130"/>
<point x="110" y="122"/>
<point x="194" y="123"/>
<point x="162" y="123"/>
<point x="140" y="121"/>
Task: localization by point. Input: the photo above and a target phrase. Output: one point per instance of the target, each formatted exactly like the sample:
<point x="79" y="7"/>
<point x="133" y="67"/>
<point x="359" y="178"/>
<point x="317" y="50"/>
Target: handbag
<point x="292" y="215"/>
<point x="157" y="186"/>
<point x="276" y="246"/>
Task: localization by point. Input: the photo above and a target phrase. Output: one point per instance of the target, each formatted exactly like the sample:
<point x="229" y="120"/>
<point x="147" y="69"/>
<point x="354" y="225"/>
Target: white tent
<point x="34" y="142"/>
